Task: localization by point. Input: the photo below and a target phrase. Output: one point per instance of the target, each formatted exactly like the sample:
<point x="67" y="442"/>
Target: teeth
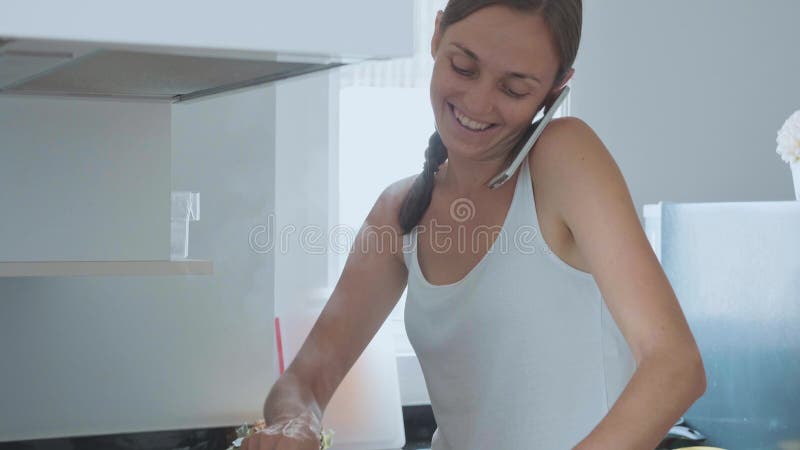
<point x="469" y="123"/>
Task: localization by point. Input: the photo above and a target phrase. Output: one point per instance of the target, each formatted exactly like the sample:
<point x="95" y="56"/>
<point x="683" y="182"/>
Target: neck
<point x="465" y="177"/>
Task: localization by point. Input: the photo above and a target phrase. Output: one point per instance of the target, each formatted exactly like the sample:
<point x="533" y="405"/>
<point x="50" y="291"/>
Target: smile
<point x="468" y="123"/>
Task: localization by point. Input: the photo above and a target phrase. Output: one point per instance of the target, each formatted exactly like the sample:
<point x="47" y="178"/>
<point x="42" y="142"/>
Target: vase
<point x="796" y="178"/>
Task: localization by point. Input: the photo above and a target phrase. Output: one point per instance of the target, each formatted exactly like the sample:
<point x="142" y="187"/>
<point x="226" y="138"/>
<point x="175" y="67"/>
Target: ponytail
<point x="419" y="196"/>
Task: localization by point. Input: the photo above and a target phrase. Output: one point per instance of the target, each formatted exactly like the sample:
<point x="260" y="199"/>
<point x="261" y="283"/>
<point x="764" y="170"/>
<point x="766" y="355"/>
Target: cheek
<point x="519" y="115"/>
<point x="526" y="111"/>
<point x="441" y="84"/>
<point x="445" y="81"/>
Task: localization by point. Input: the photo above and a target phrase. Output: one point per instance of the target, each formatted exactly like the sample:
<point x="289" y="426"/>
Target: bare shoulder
<point x="577" y="153"/>
<point x="387" y="206"/>
<point x="587" y="175"/>
<point x="568" y="157"/>
<point x="568" y="137"/>
<point x="385" y="212"/>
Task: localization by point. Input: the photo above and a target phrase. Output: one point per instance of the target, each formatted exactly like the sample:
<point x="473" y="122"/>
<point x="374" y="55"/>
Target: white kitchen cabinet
<point x="352" y="29"/>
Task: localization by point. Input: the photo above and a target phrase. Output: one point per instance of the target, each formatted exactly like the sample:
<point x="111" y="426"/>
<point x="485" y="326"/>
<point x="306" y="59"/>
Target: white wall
<point x="65" y="160"/>
<point x="689" y="95"/>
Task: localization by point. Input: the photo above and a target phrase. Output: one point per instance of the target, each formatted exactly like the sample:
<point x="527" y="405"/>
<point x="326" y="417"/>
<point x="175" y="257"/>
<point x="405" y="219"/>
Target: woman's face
<point x="492" y="71"/>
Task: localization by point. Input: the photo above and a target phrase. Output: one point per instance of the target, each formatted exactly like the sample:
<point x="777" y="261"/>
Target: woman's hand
<point x="287" y="433"/>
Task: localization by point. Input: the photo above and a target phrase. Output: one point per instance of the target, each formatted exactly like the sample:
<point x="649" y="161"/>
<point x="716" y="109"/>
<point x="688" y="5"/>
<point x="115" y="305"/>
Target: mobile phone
<point x="503" y="176"/>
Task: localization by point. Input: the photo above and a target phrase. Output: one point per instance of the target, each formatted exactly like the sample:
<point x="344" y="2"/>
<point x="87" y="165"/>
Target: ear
<point x="437" y="34"/>
<point x="553" y="95"/>
<point x="567" y="77"/>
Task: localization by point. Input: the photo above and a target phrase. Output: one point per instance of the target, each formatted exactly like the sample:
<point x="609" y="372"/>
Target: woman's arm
<point x="371" y="283"/>
<point x="596" y="205"/>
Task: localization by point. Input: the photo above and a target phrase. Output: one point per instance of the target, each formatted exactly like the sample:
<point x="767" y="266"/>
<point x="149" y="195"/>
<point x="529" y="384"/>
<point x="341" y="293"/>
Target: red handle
<point x="279" y="344"/>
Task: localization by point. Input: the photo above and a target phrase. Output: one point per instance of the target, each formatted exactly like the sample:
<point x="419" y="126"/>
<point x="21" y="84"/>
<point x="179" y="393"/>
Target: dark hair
<point x="564" y="18"/>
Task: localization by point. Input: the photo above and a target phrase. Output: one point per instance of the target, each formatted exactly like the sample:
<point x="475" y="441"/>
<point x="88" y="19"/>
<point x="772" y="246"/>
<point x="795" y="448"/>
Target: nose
<point x="478" y="99"/>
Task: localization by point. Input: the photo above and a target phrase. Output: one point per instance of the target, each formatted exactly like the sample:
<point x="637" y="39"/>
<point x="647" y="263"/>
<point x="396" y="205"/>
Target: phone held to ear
<point x="503" y="176"/>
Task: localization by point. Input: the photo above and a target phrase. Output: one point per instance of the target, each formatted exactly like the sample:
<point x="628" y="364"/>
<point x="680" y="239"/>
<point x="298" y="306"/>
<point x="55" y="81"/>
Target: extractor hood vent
<point x="134" y="74"/>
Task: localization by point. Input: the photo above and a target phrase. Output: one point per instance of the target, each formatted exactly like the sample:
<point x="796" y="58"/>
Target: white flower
<point x="789" y="139"/>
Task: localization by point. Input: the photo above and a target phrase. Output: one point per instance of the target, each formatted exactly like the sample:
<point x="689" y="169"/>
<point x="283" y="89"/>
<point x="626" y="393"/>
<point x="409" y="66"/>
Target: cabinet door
<point x="347" y="28"/>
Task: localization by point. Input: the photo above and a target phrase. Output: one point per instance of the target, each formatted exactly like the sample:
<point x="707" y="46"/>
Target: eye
<point x="460" y="71"/>
<point x="468" y="73"/>
<point x="513" y="94"/>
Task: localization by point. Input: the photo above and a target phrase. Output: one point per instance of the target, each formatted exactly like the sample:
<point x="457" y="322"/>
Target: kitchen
<point x="187" y="344"/>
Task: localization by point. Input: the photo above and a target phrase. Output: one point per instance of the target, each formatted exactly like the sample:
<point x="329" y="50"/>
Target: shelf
<point x="105" y="268"/>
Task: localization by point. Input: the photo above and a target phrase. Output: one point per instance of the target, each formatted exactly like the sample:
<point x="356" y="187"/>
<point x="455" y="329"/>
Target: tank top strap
<point x="521" y="204"/>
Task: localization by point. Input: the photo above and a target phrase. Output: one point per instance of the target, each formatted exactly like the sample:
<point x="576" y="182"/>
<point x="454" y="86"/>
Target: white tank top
<point x="520" y="353"/>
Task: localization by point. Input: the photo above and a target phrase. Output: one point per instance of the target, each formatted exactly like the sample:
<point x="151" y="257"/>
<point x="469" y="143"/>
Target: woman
<point x="558" y="329"/>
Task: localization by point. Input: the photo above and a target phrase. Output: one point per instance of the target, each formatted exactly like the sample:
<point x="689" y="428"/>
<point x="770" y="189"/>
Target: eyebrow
<point x="472" y="55"/>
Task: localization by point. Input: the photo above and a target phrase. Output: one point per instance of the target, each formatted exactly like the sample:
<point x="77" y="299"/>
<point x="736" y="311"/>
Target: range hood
<point x="61" y="68"/>
<point x="181" y="49"/>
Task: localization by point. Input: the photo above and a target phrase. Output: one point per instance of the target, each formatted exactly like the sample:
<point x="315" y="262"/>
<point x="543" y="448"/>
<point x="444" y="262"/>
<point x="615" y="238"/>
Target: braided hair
<point x="419" y="197"/>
